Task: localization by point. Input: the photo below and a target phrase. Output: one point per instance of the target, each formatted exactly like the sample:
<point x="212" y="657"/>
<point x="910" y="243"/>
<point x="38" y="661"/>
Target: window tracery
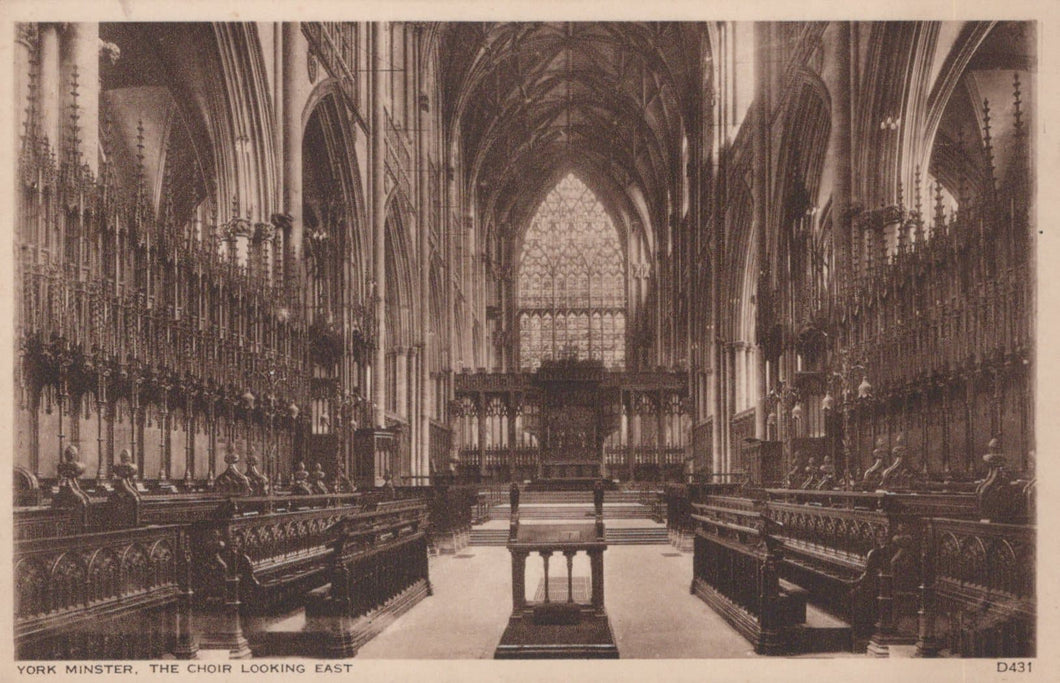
<point x="572" y="297"/>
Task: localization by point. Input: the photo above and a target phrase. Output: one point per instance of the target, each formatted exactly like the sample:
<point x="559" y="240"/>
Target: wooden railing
<point x="735" y="571"/>
<point x="67" y="588"/>
<point x="246" y="560"/>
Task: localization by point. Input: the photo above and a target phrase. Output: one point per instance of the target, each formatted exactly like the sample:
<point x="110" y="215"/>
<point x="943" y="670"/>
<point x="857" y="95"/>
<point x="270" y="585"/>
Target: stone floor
<point x="652" y="613"/>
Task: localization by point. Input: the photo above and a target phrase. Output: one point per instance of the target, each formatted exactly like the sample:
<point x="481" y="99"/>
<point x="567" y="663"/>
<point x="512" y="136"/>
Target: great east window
<point x="572" y="283"/>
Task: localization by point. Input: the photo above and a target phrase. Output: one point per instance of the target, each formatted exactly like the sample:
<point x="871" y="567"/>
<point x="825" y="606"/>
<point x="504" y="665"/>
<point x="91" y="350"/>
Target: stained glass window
<point x="572" y="283"/>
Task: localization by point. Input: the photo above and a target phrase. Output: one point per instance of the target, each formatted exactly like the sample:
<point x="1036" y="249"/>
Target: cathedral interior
<point x="323" y="327"/>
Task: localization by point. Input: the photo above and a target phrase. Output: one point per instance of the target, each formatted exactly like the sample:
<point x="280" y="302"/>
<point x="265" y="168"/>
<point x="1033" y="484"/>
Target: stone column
<point x="840" y="89"/>
<point x="760" y="197"/>
<point x="739" y="380"/>
<point x="415" y="407"/>
<point x="378" y="214"/>
<point x="428" y="337"/>
<point x="294" y="75"/>
<point x="401" y="369"/>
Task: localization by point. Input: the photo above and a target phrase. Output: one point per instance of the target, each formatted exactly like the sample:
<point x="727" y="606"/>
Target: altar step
<point x="573" y="511"/>
<point x="617" y="536"/>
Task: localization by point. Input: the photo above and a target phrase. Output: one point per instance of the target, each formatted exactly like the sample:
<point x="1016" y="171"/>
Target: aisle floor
<point x="647" y="598"/>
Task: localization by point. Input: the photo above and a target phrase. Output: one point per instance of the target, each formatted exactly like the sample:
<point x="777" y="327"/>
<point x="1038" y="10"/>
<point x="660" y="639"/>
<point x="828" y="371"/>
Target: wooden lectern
<point x="557" y="627"/>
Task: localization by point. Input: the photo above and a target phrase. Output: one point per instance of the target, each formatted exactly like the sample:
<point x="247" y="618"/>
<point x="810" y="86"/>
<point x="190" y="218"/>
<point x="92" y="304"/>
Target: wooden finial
<point x="940" y="207"/>
<point x="988" y="144"/>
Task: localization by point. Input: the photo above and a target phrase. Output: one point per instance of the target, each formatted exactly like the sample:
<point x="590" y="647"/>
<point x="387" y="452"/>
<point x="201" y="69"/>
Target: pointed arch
<point x="571" y="271"/>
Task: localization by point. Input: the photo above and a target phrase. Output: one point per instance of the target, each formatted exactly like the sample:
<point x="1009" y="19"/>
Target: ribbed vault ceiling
<point x="613" y="102"/>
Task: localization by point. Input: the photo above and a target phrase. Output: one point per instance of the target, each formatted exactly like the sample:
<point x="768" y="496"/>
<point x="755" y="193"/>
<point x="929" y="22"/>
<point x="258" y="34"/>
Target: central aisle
<point x="646" y="595"/>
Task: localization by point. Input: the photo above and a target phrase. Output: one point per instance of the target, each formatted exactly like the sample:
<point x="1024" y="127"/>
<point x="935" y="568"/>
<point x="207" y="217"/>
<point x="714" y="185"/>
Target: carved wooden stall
<point x="978" y="590"/>
<point x="108" y="595"/>
<point x="949" y="571"/>
<point x="173" y="572"/>
<point x="377" y="571"/>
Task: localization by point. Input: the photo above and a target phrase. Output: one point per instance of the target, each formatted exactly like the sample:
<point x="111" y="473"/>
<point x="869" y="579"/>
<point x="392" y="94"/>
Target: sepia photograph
<point x="418" y="339"/>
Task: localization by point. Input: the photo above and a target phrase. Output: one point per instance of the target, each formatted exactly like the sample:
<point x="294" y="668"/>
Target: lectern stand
<point x="557" y="626"/>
